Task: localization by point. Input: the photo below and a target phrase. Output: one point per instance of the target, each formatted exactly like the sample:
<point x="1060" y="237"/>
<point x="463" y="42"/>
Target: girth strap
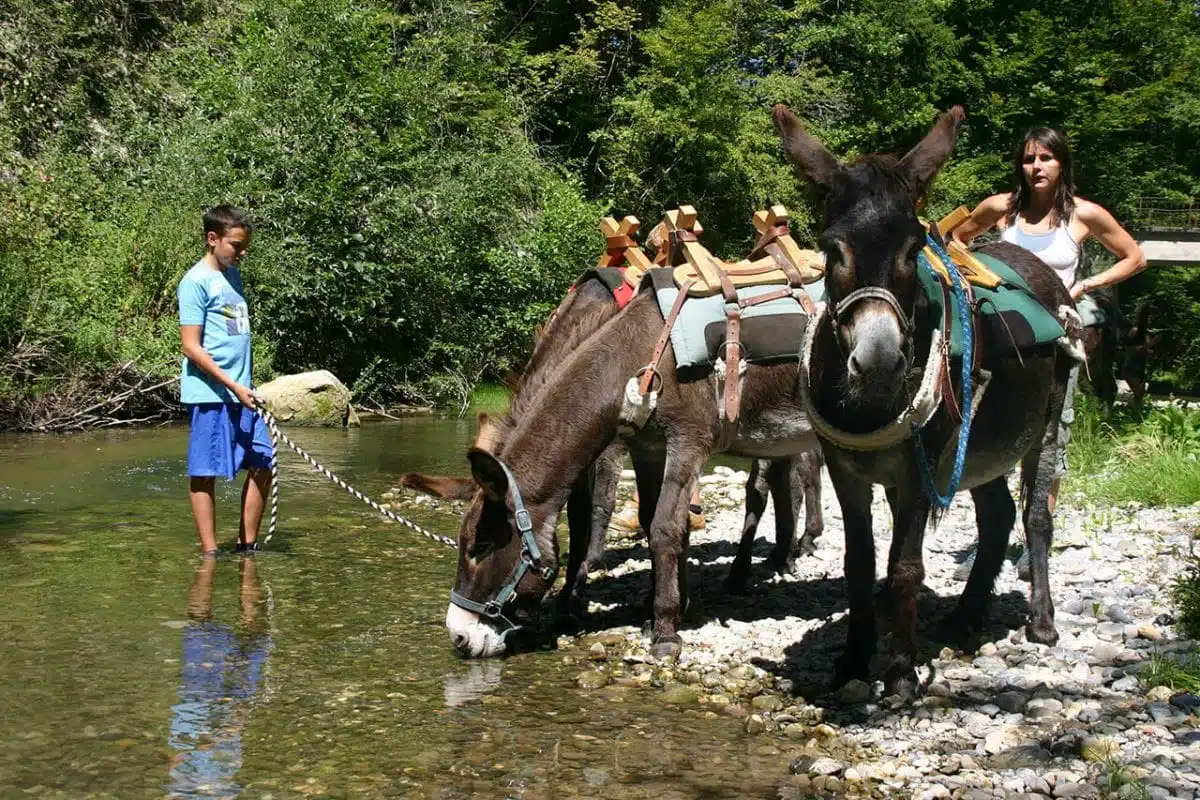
<point x="647" y="373"/>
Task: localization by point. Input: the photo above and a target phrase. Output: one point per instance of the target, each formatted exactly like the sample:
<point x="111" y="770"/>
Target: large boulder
<point x="315" y="399"/>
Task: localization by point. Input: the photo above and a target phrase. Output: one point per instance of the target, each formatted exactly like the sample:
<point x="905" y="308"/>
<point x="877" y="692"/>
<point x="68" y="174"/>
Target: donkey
<point x="791" y="482"/>
<point x="862" y="366"/>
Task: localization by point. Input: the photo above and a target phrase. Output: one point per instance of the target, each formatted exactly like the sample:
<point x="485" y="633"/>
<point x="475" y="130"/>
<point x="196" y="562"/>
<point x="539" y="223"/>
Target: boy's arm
<point x="189" y="337"/>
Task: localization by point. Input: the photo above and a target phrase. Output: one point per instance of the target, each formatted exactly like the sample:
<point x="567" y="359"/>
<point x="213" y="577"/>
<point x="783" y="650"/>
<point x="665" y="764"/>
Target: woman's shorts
<point x="225" y="439"/>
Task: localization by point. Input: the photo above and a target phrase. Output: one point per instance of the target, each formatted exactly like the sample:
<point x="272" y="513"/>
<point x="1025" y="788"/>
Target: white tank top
<point x="1056" y="247"/>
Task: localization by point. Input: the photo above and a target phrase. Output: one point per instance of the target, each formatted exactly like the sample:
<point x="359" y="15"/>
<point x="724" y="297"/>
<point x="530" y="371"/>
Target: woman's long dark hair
<point x="1064" y="196"/>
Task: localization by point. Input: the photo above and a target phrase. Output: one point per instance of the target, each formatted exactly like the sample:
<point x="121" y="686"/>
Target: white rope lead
<point x="277" y="434"/>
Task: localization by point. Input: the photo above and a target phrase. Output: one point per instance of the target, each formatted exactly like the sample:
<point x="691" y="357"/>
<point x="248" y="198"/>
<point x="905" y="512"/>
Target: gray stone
<point x="1163" y="714"/>
<point x="826" y="766"/>
<point x="1043" y="707"/>
<point x="679" y="694"/>
<point x="853" y="693"/>
<point x="1186" y="702"/>
<point x="592" y="679"/>
<point x="1012" y="702"/>
<point x="316" y="399"/>
<point x="990" y="664"/>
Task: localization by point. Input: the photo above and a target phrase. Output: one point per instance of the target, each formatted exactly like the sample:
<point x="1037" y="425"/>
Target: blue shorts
<point x="226" y="438"/>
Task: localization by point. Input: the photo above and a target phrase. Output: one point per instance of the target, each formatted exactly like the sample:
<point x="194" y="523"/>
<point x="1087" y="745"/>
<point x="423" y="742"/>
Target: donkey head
<point x="503" y="572"/>
<point x="871" y="240"/>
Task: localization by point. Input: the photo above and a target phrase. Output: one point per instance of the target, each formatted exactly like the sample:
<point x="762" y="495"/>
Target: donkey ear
<point x="447" y="488"/>
<point x="488" y="473"/>
<point x="807" y="155"/>
<point x="923" y="161"/>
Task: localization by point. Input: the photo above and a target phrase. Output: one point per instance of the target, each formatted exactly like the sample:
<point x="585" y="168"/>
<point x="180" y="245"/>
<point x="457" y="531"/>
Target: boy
<point x="226" y="434"/>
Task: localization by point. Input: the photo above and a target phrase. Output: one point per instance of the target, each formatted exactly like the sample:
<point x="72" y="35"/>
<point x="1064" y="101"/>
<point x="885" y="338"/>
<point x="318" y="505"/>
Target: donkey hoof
<point x="902" y="684"/>
<point x="1041" y="634"/>
<point x="807" y="545"/>
<point x="666" y="650"/>
<point x="955" y="629"/>
<point x="782" y="564"/>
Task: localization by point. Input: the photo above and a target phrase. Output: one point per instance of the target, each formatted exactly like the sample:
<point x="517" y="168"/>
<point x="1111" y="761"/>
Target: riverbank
<point x="1012" y="719"/>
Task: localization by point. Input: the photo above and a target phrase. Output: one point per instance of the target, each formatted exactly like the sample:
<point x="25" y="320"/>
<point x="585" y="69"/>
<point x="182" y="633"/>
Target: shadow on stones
<point x="809" y="662"/>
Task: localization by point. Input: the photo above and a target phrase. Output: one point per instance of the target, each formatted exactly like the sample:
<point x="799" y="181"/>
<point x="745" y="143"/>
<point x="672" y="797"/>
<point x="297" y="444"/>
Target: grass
<point x="490" y="397"/>
<point x="1179" y="676"/>
<point x="1151" y="457"/>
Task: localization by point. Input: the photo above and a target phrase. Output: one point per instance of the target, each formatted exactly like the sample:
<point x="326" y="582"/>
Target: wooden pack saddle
<point x="775" y="260"/>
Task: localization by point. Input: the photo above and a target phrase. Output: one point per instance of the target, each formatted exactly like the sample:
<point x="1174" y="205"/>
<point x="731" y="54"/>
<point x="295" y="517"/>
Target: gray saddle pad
<point x="771" y="332"/>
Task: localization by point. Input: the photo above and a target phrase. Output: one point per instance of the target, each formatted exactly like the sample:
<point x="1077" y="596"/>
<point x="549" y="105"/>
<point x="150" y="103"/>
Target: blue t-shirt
<point x="214" y="299"/>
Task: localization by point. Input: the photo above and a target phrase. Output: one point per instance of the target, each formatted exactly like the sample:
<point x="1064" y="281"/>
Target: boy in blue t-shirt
<point x="214" y="328"/>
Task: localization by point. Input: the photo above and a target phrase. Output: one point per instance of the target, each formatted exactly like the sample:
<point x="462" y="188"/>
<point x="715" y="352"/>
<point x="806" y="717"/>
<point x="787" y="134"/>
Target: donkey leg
<point x="648" y="468"/>
<point x="1037" y="470"/>
<point x="1039" y="474"/>
<point x="806" y="471"/>
<point x="995" y="514"/>
<point x="908" y="574"/>
<point x="854" y="496"/>
<point x="589" y="509"/>
<point x="668" y="533"/>
<point x="579" y="519"/>
<point x="787" y="502"/>
<point x="757" y="489"/>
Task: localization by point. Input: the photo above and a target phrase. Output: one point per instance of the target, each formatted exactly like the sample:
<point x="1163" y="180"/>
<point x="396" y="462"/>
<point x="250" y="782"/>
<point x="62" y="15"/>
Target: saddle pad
<point x="771" y="332"/>
<point x="1011" y="318"/>
<point x="613" y="279"/>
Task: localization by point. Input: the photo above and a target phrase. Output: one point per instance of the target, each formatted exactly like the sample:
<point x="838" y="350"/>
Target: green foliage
<point x="1148" y="458"/>
<point x="427" y="179"/>
<point x="1186" y="594"/>
<point x="1182" y="676"/>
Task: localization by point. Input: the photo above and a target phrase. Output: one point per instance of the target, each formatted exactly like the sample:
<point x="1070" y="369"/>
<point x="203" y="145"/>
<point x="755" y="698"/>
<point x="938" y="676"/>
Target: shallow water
<point x="133" y="669"/>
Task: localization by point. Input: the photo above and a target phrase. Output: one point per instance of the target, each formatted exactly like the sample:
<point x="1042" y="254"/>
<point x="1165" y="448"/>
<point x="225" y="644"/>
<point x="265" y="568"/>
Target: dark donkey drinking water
<point x="792" y="482"/>
<point x="859" y="380"/>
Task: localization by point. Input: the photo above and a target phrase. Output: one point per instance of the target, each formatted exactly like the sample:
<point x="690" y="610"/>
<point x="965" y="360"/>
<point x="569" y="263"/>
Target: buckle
<point x="492" y="609"/>
<point x="523" y="520"/>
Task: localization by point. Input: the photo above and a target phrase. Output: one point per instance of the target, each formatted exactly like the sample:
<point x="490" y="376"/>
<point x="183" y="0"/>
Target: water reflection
<point x="481" y="678"/>
<point x="222" y="680"/>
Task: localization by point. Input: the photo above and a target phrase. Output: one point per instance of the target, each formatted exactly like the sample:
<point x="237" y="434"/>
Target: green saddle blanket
<point x="1011" y="319"/>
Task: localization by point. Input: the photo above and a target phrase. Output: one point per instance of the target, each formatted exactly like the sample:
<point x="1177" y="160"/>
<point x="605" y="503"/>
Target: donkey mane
<point x="557" y="341"/>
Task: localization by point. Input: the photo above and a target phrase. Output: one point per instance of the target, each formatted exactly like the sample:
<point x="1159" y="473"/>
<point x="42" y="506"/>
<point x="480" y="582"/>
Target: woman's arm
<point x="985" y="216"/>
<point x="1130" y="258"/>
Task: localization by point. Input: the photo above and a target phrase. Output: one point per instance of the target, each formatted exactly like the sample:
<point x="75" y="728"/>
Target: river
<point x="133" y="669"/>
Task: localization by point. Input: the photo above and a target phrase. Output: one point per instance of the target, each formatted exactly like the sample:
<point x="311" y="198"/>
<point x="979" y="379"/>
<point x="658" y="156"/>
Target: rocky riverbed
<point x="1011" y="719"/>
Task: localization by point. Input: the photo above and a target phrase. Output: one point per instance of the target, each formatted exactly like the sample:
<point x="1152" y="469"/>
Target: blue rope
<point x="928" y="480"/>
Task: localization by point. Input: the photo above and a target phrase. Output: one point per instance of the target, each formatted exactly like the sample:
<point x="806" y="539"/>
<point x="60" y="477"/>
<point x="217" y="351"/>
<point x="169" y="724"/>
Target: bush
<point x="1150" y="458"/>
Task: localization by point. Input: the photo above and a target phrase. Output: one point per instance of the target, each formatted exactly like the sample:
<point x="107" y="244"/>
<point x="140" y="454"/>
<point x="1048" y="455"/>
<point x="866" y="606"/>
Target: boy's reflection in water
<point x="223" y="670"/>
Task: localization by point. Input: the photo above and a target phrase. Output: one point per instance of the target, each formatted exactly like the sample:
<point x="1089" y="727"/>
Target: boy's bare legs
<point x="254" y="494"/>
<point x="204" y="511"/>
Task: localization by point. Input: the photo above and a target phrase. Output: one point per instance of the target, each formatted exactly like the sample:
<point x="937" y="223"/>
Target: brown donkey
<point x="791" y="482"/>
<point x="867" y="353"/>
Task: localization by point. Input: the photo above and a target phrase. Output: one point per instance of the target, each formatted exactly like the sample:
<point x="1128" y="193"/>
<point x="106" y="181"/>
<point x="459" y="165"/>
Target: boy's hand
<point x="247" y="396"/>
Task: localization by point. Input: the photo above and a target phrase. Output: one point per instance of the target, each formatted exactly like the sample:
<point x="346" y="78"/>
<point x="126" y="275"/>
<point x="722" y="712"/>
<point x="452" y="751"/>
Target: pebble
<point x="1011" y="719"/>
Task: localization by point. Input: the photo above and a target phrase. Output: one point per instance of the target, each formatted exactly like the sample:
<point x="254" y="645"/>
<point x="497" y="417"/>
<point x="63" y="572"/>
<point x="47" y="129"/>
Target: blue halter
<point x="531" y="554"/>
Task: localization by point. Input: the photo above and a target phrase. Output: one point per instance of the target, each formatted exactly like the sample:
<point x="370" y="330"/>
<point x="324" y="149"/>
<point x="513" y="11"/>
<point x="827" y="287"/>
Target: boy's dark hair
<point x="221" y="219"/>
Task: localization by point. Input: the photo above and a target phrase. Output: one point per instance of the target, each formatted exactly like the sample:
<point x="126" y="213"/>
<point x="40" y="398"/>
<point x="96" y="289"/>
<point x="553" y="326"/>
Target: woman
<point x="1044" y="215"/>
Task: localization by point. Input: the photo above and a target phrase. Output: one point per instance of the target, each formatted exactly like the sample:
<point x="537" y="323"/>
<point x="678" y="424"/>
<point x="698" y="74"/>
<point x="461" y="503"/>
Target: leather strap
<point x="778" y="294"/>
<point x="733" y="362"/>
<point x="651" y="369"/>
<point x="947" y="387"/>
